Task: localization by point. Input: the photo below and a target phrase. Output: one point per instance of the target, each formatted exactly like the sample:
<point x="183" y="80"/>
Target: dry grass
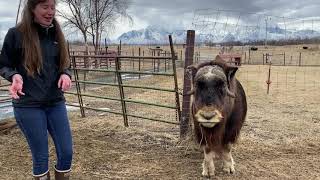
<point x="280" y="139"/>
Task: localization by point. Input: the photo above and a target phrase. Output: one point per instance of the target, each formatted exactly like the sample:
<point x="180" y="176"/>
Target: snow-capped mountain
<point x="154" y="35"/>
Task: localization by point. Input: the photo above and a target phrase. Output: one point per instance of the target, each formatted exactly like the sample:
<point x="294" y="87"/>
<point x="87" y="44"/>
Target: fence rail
<point x="123" y="67"/>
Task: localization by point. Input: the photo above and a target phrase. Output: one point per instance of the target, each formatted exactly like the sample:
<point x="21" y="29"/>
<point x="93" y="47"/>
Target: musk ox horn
<point x="229" y="93"/>
<point x="189" y="93"/>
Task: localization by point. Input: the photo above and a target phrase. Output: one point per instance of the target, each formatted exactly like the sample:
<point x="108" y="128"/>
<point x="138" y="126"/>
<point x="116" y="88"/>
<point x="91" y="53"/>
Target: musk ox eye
<point x="219" y="83"/>
<point x="201" y="84"/>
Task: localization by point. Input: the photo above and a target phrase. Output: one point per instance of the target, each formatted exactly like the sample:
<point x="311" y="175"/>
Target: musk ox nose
<point x="208" y="115"/>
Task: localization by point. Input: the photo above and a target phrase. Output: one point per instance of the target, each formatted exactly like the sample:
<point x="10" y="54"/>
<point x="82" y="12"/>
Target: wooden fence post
<point x="249" y="59"/>
<point x="185" y="116"/>
<point x="300" y="59"/>
<point x="139" y="62"/>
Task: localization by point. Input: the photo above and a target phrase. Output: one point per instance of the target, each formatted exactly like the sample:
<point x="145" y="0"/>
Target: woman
<point x="35" y="59"/>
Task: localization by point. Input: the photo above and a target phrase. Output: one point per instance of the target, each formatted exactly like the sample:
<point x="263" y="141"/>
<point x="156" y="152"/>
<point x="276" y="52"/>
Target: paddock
<point x="280" y="139"/>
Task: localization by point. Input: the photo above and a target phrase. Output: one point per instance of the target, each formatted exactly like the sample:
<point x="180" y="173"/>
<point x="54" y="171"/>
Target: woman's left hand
<point x="64" y="82"/>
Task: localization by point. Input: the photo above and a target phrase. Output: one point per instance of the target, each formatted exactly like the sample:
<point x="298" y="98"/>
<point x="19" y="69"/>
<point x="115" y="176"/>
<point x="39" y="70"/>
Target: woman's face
<point x="44" y="12"/>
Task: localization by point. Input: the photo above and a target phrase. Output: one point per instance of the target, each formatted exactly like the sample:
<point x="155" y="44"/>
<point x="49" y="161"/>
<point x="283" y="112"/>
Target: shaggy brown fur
<point x="215" y="91"/>
<point x="233" y="109"/>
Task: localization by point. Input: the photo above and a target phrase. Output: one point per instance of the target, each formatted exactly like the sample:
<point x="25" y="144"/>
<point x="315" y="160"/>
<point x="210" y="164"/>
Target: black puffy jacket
<point x="42" y="89"/>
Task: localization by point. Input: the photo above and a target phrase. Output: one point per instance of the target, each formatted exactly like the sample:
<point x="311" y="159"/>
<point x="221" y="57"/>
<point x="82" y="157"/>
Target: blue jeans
<point x="35" y="123"/>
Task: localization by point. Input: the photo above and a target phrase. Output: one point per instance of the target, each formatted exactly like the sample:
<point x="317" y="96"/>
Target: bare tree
<point x="18" y="12"/>
<point x="104" y="14"/>
<point x="77" y="17"/>
<point x="92" y="17"/>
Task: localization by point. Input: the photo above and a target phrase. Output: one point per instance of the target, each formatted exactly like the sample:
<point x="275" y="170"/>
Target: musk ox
<point x="218" y="109"/>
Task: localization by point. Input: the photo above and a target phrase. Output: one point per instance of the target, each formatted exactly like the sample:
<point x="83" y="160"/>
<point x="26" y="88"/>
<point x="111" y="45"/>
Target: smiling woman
<point x="34" y="58"/>
<point x="44" y="12"/>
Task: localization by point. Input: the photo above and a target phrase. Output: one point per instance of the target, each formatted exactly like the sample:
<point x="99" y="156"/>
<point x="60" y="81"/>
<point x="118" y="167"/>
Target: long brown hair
<point x="31" y="43"/>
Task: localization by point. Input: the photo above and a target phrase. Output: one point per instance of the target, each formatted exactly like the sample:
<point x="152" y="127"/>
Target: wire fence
<point x="284" y="79"/>
<point x="125" y="76"/>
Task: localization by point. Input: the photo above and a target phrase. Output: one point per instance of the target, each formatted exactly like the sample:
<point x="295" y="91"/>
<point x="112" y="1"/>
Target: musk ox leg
<point x="208" y="165"/>
<point x="228" y="162"/>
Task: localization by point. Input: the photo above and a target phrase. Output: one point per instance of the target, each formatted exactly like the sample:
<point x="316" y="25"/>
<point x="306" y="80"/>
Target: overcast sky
<point x="178" y="14"/>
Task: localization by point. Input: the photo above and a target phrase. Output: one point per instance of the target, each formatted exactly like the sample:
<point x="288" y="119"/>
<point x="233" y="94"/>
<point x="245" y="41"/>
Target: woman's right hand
<point x="16" y="86"/>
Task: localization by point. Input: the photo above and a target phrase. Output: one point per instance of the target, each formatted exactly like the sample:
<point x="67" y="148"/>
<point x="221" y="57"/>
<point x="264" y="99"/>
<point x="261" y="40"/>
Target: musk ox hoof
<point x="207" y="173"/>
<point x="229" y="169"/>
<point x="207" y="176"/>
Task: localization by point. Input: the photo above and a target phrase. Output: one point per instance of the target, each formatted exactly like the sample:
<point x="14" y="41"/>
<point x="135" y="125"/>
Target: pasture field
<point x="280" y="139"/>
<point x="289" y="53"/>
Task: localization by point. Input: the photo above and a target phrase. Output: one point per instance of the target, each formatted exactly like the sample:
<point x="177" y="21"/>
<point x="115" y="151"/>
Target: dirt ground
<point x="280" y="139"/>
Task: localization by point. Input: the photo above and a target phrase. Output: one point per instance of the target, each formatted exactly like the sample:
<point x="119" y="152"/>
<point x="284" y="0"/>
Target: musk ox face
<point x="210" y="92"/>
<point x="211" y="87"/>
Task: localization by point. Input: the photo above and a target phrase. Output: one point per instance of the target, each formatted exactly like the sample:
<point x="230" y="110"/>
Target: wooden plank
<point x="7" y="125"/>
